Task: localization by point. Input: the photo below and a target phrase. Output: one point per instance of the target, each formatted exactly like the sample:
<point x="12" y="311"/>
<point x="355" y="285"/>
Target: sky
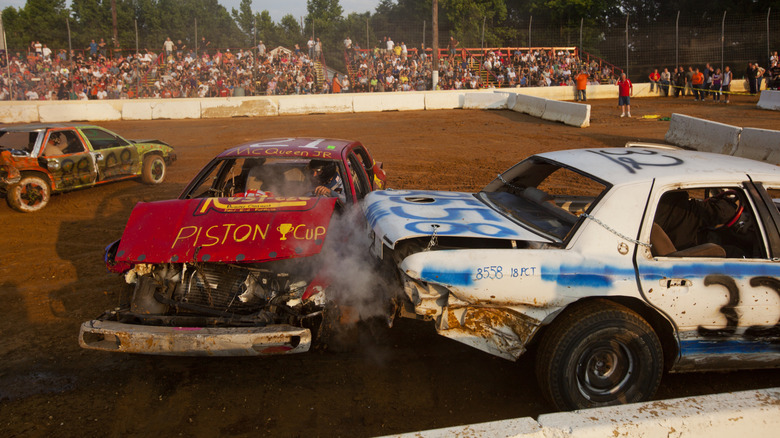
<point x="277" y="8"/>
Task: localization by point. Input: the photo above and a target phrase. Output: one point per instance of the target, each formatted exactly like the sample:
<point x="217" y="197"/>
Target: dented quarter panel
<point x="501" y="331"/>
<point x="225" y="230"/>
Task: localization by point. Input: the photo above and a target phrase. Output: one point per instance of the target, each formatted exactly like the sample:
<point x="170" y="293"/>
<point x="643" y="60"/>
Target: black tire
<point x="154" y="169"/>
<point x="599" y="354"/>
<point x="30" y="194"/>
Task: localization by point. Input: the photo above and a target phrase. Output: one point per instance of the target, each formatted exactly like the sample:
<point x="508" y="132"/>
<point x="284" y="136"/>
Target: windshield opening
<point x="18" y="140"/>
<point x="270" y="177"/>
<point x="544" y="196"/>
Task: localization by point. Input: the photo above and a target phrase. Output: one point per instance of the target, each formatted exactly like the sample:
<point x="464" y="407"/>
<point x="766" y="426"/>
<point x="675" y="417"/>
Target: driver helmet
<point x="322" y="171"/>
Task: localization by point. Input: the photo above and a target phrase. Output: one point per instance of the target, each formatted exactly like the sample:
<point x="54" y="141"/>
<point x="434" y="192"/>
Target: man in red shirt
<point x="654" y="78"/>
<point x="625" y="91"/>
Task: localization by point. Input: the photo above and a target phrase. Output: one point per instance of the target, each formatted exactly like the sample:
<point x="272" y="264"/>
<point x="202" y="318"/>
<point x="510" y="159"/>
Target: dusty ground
<point x="52" y="278"/>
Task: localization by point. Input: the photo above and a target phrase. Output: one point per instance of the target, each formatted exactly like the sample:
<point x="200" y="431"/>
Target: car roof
<point x="301" y="147"/>
<point x="40" y="126"/>
<point x="619" y="166"/>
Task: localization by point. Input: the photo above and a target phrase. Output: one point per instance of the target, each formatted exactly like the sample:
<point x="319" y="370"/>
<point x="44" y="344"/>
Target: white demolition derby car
<point x="619" y="264"/>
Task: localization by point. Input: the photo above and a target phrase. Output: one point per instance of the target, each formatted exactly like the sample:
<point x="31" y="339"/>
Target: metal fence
<point x="634" y="45"/>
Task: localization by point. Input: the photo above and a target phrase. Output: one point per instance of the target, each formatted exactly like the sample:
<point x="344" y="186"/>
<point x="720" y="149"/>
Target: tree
<point x="266" y="29"/>
<point x="468" y="16"/>
<point x="324" y="21"/>
<point x="245" y="19"/>
<point x="39" y="20"/>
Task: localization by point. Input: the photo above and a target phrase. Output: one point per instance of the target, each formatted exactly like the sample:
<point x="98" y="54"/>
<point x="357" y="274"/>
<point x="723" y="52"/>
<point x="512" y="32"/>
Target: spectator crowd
<point x="394" y="67"/>
<point x="712" y="82"/>
<point x="176" y="71"/>
<point x="180" y="71"/>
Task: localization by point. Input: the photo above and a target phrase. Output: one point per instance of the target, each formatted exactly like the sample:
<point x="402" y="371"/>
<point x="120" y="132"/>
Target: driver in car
<point x="54" y="146"/>
<point x="683" y="217"/>
<point x="326" y="180"/>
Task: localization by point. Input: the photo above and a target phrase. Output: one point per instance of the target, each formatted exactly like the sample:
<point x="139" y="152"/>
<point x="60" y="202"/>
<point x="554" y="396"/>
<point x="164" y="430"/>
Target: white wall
<point x="265" y="106"/>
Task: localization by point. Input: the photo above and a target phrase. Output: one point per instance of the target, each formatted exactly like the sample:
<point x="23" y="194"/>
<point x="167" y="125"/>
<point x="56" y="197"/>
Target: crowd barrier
<point x="769" y="100"/>
<point x="702" y="135"/>
<point x="569" y="113"/>
<point x="708" y="136"/>
<point x="759" y="144"/>
<point x="452" y="99"/>
<point x="746" y="413"/>
<point x="264" y="106"/>
<point x="486" y="100"/>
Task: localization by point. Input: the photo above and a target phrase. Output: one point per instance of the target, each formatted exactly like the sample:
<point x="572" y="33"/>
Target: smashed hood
<point x="401" y="214"/>
<point x="229" y="230"/>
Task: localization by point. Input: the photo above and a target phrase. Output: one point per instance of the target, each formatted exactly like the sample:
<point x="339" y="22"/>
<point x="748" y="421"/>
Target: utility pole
<point x="113" y="19"/>
<point x="70" y="45"/>
<point x="435" y="45"/>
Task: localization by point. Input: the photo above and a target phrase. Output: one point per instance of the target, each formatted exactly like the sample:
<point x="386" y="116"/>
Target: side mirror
<point x="52" y="165"/>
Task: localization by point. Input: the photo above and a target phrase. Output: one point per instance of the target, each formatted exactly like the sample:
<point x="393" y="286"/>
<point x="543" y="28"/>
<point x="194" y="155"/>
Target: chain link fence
<point x="634" y="45"/>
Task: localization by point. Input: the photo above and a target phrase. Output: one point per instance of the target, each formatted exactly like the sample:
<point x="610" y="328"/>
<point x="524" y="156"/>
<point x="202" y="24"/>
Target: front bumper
<point x="194" y="341"/>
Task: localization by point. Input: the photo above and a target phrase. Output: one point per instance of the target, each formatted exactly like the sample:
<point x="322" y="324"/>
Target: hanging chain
<point x="507" y="183"/>
<point x="615" y="232"/>
<point x="434" y="241"/>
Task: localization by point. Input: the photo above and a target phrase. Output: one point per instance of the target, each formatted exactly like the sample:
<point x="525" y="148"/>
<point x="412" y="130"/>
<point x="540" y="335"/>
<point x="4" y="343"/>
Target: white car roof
<point x="619" y="166"/>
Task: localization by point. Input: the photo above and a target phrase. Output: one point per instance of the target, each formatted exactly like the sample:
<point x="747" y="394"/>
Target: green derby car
<point x="40" y="159"/>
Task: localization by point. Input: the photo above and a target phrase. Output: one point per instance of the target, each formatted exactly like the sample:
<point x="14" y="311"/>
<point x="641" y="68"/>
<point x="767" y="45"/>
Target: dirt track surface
<point x="52" y="278"/>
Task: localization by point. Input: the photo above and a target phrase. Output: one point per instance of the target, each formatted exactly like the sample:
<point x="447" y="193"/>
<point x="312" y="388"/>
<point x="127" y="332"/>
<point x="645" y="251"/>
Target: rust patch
<point x="481" y="321"/>
<point x="484" y="322"/>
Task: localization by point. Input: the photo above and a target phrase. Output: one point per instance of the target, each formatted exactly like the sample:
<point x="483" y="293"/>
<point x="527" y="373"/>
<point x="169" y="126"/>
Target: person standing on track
<point x="625" y="91"/>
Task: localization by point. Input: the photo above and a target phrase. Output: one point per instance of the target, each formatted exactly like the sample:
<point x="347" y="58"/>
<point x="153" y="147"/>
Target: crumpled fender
<point x="9" y="174"/>
<point x="228" y="230"/>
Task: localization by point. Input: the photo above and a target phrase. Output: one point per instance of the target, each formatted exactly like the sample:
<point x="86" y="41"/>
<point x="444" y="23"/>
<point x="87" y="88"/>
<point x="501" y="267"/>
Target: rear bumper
<point x="194" y="341"/>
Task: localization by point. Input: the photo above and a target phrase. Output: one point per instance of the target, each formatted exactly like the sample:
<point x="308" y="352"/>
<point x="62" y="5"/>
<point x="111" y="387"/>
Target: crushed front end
<point x="222" y="277"/>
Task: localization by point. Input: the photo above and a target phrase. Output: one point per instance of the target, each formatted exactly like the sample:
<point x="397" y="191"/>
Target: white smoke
<point x="357" y="282"/>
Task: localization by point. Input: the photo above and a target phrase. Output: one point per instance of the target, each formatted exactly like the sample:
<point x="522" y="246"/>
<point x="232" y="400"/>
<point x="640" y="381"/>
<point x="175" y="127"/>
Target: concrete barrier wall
<point x="262" y="106"/>
<point x="315" y="104"/>
<point x="72" y="111"/>
<point x="531" y="105"/>
<point x="759" y="144"/>
<point x="769" y="100"/>
<point x="444" y="100"/>
<point x="485" y="100"/>
<point x="569" y="113"/>
<point x="703" y="135"/>
<point x="176" y="109"/>
<point x="748" y="414"/>
<point x="239" y="107"/>
<point x="19" y="112"/>
<point x="410" y="101"/>
<point x="137" y="110"/>
<point x="573" y="114"/>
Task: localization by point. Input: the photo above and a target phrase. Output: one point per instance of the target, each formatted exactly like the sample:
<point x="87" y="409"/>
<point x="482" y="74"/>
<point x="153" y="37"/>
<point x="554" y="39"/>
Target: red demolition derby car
<point x="243" y="262"/>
